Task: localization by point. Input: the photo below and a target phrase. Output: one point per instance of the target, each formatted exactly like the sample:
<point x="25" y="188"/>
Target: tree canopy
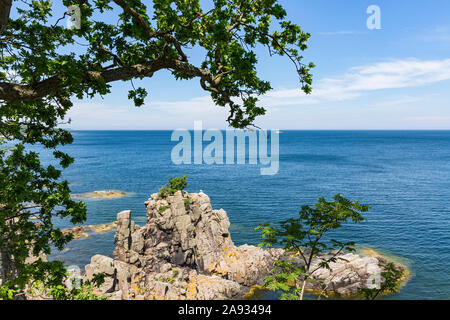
<point x="44" y="65"/>
<point x="40" y="51"/>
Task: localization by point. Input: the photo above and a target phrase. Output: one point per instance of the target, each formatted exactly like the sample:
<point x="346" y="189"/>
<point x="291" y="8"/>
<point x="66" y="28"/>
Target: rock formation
<point x="185" y="251"/>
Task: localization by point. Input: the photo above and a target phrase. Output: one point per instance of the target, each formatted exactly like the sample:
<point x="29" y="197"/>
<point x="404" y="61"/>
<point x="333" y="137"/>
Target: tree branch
<point x="24" y="93"/>
<point x="145" y="26"/>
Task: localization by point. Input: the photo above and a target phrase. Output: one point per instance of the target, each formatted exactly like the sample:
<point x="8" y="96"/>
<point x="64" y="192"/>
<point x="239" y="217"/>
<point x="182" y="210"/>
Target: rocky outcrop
<point x="185" y="251"/>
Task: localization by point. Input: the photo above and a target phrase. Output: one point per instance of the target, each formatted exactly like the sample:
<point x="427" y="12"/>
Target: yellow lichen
<point x="255" y="293"/>
<point x="191" y="290"/>
<point x="101" y="194"/>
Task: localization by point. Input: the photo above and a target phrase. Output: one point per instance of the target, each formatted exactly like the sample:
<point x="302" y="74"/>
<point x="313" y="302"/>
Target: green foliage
<point x="37" y="46"/>
<point x="55" y="288"/>
<point x="186" y="204"/>
<point x="44" y="65"/>
<point x="30" y="190"/>
<point x="83" y="291"/>
<point x="174" y="185"/>
<point x="391" y="277"/>
<point x="86" y="289"/>
<point x="304" y="238"/>
<point x="163" y="208"/>
<point x="7" y="292"/>
<point x="284" y="278"/>
<point x="165" y="279"/>
<point x="138" y="96"/>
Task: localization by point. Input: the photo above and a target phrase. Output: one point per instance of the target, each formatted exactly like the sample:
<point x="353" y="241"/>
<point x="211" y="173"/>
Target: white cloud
<point x="436" y="34"/>
<point x="353" y="84"/>
<point x="428" y="119"/>
<point x="157" y="115"/>
<point x="359" y="80"/>
<point x="402" y="101"/>
<point x="341" y="32"/>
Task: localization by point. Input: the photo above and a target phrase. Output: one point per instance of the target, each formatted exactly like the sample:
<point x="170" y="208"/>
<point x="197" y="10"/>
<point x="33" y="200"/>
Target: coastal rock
<point x="100" y="194"/>
<point x="348" y="274"/>
<point x="79" y="232"/>
<point x="184" y="230"/>
<point x="185" y="251"/>
<point x="100" y="264"/>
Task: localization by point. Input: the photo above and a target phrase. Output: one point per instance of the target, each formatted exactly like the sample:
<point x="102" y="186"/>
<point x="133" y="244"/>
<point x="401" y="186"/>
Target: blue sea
<point x="403" y="175"/>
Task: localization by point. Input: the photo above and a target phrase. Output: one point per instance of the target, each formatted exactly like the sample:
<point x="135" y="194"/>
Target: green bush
<point x="163" y="208"/>
<point x="174" y="185"/>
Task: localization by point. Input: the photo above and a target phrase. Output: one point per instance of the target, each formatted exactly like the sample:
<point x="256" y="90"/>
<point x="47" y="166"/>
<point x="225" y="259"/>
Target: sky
<point x="393" y="78"/>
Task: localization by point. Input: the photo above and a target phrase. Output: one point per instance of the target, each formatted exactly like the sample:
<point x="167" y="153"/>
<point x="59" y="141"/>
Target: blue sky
<point x="394" y="78"/>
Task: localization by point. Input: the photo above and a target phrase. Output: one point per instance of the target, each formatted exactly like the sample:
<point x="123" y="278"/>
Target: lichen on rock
<point x="80" y="232"/>
<point x="187" y="236"/>
<point x="100" y="195"/>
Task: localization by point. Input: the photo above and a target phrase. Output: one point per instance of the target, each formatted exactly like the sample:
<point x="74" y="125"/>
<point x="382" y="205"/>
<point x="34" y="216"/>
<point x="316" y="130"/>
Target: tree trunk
<point x="303" y="290"/>
<point x="5" y="266"/>
<point x="2" y="270"/>
<point x="5" y="9"/>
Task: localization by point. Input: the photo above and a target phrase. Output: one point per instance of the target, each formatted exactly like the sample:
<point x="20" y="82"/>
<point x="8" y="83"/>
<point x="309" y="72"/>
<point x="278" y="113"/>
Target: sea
<point x="403" y="175"/>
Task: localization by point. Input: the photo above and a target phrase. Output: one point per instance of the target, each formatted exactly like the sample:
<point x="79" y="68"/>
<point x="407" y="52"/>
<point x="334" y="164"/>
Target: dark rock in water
<point x="185" y="252"/>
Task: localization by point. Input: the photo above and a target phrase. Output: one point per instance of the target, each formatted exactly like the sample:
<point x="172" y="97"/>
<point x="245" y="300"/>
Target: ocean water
<point x="403" y="175"/>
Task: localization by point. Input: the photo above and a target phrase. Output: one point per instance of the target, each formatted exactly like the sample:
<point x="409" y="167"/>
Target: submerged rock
<point x="102" y="194"/>
<point x="185" y="251"/>
<point x="79" y="232"/>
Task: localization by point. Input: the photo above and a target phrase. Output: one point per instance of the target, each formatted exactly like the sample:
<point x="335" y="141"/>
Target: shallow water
<point x="403" y="175"/>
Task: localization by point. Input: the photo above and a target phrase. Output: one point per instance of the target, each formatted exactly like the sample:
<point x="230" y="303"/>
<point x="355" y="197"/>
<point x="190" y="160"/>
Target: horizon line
<point x="72" y="130"/>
